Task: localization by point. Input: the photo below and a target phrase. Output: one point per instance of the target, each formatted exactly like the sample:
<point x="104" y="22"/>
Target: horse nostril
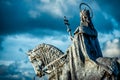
<point x="39" y="74"/>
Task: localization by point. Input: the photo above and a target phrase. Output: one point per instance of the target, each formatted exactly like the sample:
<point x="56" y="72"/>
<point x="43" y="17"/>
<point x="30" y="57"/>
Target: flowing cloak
<point x="85" y="47"/>
<point x="86" y="38"/>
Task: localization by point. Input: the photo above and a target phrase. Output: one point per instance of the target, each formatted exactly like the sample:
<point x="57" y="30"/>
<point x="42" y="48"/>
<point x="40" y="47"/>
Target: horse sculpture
<point x="41" y="58"/>
<point x="47" y="59"/>
<point x="83" y="59"/>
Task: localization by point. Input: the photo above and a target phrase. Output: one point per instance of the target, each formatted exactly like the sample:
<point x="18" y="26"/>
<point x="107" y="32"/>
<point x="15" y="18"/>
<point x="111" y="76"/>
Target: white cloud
<point x="112" y="48"/>
<point x="57" y="8"/>
<point x="34" y="14"/>
<point x="3" y="62"/>
<point x="12" y="45"/>
<point x="116" y="33"/>
<point x="110" y="43"/>
<point x="25" y="41"/>
<point x="103" y="38"/>
<point x="60" y="8"/>
<point x="45" y="1"/>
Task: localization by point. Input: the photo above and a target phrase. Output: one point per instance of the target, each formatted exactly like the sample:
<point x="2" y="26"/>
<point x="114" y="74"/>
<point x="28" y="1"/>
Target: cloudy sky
<point x="26" y="23"/>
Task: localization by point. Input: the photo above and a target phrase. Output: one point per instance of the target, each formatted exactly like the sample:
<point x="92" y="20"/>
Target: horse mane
<point x="47" y="53"/>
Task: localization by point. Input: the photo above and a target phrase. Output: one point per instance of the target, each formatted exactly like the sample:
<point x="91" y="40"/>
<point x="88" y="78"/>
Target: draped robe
<point x="84" y="49"/>
<point x="86" y="38"/>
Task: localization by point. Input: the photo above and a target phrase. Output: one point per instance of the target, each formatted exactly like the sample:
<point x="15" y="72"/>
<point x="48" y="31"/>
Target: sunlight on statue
<point x="82" y="60"/>
<point x="86" y="35"/>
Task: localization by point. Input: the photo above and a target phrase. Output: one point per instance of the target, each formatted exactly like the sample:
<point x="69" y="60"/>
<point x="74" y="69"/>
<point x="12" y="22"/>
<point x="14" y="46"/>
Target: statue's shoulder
<point x="86" y="30"/>
<point x="76" y="30"/>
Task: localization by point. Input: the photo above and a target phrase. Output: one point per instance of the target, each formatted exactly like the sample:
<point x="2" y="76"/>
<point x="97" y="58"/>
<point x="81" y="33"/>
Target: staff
<point x="66" y="22"/>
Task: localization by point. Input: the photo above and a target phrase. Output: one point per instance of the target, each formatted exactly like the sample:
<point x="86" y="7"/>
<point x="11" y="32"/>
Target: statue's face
<point x="84" y="14"/>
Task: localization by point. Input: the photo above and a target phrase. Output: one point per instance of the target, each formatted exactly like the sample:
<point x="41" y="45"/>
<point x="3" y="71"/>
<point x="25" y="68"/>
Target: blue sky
<point x="26" y="23"/>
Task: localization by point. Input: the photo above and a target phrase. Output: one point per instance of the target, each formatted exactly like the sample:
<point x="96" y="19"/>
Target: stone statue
<point x="46" y="59"/>
<point x="83" y="59"/>
<point x="86" y="35"/>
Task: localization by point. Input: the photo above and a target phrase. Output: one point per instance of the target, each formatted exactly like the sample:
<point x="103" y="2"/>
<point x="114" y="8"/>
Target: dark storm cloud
<point x="41" y="18"/>
<point x="12" y="16"/>
<point x="111" y="7"/>
<point x="101" y="24"/>
<point x="21" y="50"/>
<point x="106" y="16"/>
<point x="23" y="26"/>
<point x="14" y="72"/>
<point x="15" y="19"/>
<point x="1" y="40"/>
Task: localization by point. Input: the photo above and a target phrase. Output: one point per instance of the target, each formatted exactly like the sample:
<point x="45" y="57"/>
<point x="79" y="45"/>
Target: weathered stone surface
<point x="71" y="67"/>
<point x="83" y="59"/>
<point x="43" y="55"/>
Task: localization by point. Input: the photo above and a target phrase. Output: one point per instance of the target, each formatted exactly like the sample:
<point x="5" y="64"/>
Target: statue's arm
<point x="76" y="31"/>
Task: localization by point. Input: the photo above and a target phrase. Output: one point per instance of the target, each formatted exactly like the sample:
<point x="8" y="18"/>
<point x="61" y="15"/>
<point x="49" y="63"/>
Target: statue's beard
<point x="85" y="20"/>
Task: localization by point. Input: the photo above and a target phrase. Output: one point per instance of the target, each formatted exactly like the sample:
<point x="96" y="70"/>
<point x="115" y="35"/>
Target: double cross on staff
<point x="66" y="22"/>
